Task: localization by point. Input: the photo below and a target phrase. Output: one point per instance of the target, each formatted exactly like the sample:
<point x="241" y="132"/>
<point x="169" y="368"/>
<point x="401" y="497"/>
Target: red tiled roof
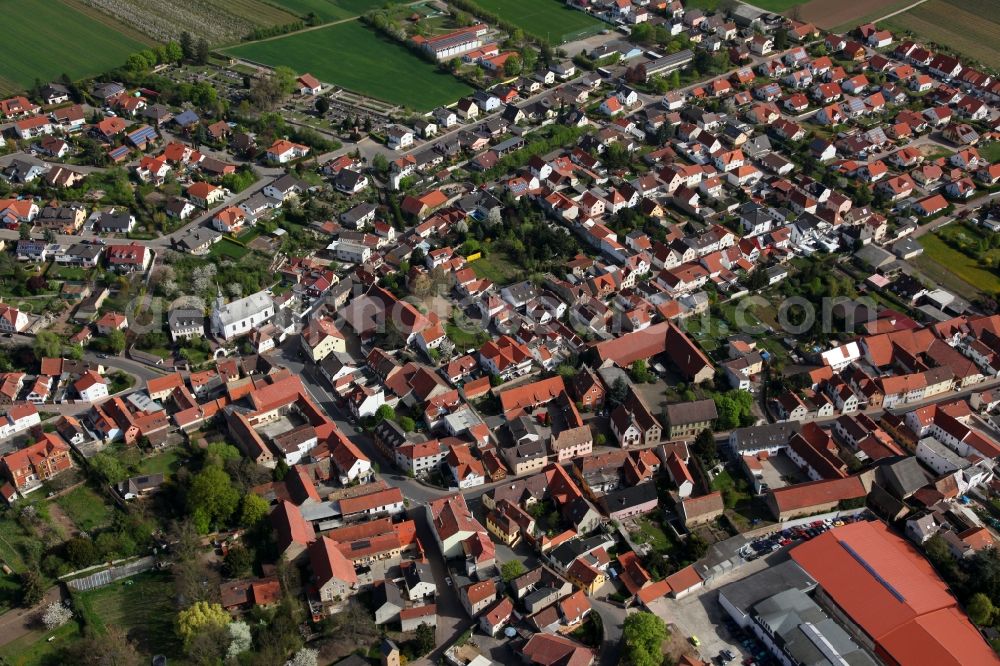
<point x="290" y="526"/>
<point x="893" y="594"/>
<point x="684" y="579"/>
<point x="329" y="562"/>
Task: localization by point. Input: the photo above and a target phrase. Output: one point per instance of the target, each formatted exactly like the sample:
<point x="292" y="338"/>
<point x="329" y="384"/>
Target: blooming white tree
<point x="304" y="657"/>
<point x="240" y="639"/>
<point x="56" y="615"/>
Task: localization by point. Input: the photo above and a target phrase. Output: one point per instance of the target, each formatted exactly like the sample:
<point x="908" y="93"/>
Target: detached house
<point x="205" y="194"/>
<point x="128" y="258"/>
<point x="29" y="467"/>
<point x="283" y="151"/>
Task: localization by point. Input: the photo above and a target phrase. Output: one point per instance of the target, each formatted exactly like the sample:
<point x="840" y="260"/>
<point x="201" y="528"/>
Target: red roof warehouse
<point x="891" y="593"/>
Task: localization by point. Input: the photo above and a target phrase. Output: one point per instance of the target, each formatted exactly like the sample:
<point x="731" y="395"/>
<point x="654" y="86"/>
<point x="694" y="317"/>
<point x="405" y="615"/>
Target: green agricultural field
<point x="328" y="10"/>
<point x="550" y="20"/>
<point x="970" y="27"/>
<point x="56" y="37"/>
<point x="355" y="57"/>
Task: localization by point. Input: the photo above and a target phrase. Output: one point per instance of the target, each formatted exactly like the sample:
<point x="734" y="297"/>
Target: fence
<point x="110" y="575"/>
<point x="584" y="33"/>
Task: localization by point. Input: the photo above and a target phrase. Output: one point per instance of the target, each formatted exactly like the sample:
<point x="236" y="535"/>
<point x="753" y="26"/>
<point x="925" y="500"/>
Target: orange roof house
<point x="29" y="467"/>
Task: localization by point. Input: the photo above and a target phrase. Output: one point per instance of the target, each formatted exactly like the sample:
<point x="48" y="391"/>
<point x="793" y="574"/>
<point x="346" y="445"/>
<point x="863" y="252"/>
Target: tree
<point x="385" y="413"/>
<point x="322" y="106"/>
<point x="110" y="648"/>
<point x="639" y="370"/>
<point x="618" y="391"/>
<point x="173" y="52"/>
<point x="407" y="424"/>
<point x="510" y="570"/>
<point x="781" y="40"/>
<point x="513" y="66"/>
<point x="47" y="344"/>
<point x="199" y="617"/>
<point x="81" y="551"/>
<point x="704" y="447"/>
<point x="201" y="52"/>
<point x="187" y="45"/>
<point x="56" y="615"/>
<point x="425" y="640"/>
<point x="529" y="58"/>
<point x="116" y="341"/>
<point x="980" y="609"/>
<point x="238" y="560"/>
<point x="254" y="510"/>
<point x="304" y="657"/>
<point x="642" y="637"/>
<point x="211" y="498"/>
<point x="31" y="588"/>
<point x="108" y="469"/>
<point x="240" y="637"/>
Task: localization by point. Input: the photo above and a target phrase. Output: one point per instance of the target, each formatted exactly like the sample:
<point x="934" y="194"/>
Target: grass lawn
<point x="165" y="463"/>
<point x="329" y="10"/>
<point x="86" y="508"/>
<point x="12" y="536"/>
<point x="462" y="338"/>
<point x="990" y="151"/>
<point x="56" y="37"/>
<point x="954" y="270"/>
<point x="970" y="27"/>
<point x="742" y="508"/>
<point x="67" y="273"/>
<point x="355" y="57"/>
<point x="550" y="20"/>
<point x="34" y="649"/>
<point x="142" y="605"/>
<point x="227" y="248"/>
<point x="496" y="266"/>
<point x="10" y="592"/>
<point x="652" y="533"/>
<point x="248" y="235"/>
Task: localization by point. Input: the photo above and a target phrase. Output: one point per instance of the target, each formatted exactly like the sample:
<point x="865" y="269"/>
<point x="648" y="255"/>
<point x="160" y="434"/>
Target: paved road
<point x="10" y="157"/>
<point x="612" y="619"/>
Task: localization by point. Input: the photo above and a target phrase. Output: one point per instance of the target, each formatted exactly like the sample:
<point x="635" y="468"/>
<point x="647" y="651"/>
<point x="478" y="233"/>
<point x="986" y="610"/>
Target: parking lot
<point x="789" y="536"/>
<point x="700" y="616"/>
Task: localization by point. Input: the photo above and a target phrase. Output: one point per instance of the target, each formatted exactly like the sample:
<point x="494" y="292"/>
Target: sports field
<point x="550" y="20"/>
<point x="328" y="10"/>
<point x="355" y="57"/>
<point x="970" y="27"/>
<point x="54" y="37"/>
